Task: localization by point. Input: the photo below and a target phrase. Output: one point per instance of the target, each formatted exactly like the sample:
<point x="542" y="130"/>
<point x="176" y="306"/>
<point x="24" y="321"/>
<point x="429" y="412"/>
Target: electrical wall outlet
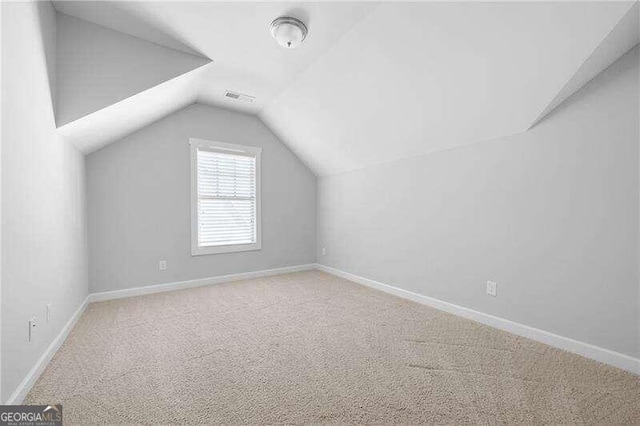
<point x="48" y="312"/>
<point x="32" y="326"/>
<point x="492" y="289"/>
<point x="162" y="265"/>
<point x="324" y="251"/>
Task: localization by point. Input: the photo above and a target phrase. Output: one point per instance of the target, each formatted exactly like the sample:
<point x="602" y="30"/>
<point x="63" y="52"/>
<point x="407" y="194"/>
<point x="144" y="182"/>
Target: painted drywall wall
<point x="551" y="215"/>
<point x="98" y="67"/>
<point x="139" y="203"/>
<point x="44" y="241"/>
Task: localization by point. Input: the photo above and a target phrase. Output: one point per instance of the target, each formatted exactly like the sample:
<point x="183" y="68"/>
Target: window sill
<point x="199" y="251"/>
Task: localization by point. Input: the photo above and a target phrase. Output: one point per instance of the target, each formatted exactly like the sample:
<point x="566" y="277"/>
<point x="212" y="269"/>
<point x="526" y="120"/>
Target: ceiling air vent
<point x="239" y="96"/>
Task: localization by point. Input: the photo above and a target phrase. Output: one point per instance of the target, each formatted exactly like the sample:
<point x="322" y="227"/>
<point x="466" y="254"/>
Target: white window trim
<point x="196" y="250"/>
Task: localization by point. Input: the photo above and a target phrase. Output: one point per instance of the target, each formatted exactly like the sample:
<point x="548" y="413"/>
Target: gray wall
<point x="139" y="203"/>
<point x="125" y="66"/>
<point x="551" y="215"/>
<point x="43" y="218"/>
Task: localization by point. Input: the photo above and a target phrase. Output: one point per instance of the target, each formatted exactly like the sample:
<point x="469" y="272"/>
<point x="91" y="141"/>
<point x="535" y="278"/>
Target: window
<point x="225" y="197"/>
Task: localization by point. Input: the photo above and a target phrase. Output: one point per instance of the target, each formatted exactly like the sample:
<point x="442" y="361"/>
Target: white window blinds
<point x="226" y="198"/>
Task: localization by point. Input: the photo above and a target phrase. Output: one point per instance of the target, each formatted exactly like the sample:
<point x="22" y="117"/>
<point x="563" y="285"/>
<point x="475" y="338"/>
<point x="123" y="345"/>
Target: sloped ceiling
<point x="416" y="78"/>
<point x="234" y="35"/>
<point x="622" y="38"/>
<point x="373" y="82"/>
<point x="117" y="120"/>
<point x="98" y="67"/>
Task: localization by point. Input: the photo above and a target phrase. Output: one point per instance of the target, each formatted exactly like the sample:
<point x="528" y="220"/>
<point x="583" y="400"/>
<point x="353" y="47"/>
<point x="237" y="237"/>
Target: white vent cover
<point x="239" y="96"/>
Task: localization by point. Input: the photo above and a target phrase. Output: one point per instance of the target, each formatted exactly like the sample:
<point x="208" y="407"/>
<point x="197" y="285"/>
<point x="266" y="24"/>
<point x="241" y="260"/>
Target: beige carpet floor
<point x="312" y="348"/>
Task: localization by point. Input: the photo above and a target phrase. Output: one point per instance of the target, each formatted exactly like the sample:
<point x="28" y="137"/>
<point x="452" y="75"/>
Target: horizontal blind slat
<point x="226" y="198"/>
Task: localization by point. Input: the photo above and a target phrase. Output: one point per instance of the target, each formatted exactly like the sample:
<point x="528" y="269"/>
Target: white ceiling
<point x="373" y="82"/>
<point x="98" y="67"/>
<point x="116" y="121"/>
<point x="620" y="40"/>
<point x="235" y="36"/>
<point x="416" y="78"/>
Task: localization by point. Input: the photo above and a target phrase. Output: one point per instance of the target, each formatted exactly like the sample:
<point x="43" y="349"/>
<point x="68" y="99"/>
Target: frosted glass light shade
<point x="288" y="32"/>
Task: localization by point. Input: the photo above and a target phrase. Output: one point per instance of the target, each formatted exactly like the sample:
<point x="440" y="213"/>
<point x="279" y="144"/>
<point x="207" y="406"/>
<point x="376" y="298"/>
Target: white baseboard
<point x="25" y="386"/>
<point x="28" y="382"/>
<point x="587" y="350"/>
<point x="138" y="291"/>
<point x="606" y="356"/>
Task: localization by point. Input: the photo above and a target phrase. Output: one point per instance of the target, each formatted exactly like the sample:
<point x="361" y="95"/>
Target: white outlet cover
<point x="162" y="265"/>
<point x="492" y="288"/>
<point x="32" y="324"/>
<point x="324" y="251"/>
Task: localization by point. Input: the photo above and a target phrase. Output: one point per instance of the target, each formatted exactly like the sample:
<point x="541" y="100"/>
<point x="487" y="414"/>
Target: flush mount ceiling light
<point x="289" y="32"/>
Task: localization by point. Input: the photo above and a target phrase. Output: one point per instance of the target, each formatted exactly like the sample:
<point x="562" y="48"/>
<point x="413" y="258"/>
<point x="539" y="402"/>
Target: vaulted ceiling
<point x="372" y="83"/>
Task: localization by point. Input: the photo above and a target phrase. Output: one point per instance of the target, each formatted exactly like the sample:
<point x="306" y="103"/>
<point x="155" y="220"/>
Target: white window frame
<point x="196" y="144"/>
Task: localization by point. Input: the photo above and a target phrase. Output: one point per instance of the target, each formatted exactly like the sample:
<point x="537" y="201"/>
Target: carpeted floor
<point x="311" y="348"/>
